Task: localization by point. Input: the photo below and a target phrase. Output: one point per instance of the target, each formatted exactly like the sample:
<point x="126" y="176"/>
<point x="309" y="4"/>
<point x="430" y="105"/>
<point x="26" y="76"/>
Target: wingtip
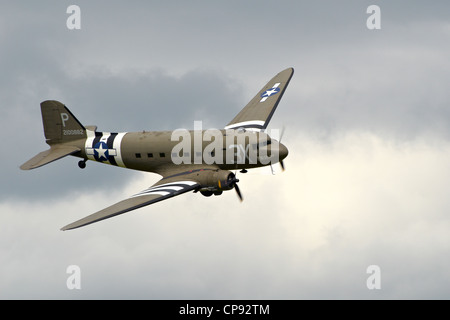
<point x="291" y="69"/>
<point x="289" y="72"/>
<point x="71" y="226"/>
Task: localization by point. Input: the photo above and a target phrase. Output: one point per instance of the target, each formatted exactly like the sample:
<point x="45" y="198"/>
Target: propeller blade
<point x="281" y="136"/>
<point x="238" y="191"/>
<point x="282" y="133"/>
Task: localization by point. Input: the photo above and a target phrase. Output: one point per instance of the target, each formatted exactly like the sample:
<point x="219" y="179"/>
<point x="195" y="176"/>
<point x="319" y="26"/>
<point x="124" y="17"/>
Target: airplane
<point x="203" y="165"/>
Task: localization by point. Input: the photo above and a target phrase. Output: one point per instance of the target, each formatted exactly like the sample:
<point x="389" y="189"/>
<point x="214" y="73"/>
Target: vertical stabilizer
<point x="60" y="125"/>
<point x="61" y="128"/>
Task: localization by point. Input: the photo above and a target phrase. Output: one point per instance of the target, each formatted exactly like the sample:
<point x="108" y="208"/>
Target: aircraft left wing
<point x="164" y="189"/>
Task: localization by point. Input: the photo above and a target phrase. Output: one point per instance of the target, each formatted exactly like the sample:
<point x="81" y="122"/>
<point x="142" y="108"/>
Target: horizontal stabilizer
<point x="54" y="153"/>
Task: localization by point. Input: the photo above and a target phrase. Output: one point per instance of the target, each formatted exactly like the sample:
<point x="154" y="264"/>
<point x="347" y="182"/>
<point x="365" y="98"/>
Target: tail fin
<point x="60" y="125"/>
<point x="60" y="128"/>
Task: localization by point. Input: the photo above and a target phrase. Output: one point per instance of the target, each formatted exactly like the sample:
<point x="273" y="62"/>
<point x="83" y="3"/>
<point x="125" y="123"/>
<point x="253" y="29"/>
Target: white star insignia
<point x="270" y="92"/>
<point x="101" y="152"/>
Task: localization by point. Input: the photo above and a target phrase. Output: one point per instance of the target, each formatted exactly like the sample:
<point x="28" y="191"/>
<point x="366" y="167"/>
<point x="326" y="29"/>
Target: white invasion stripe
<point x="253" y="129"/>
<point x="159" y="188"/>
<point x="245" y="123"/>
<point x="174" y="188"/>
<point x="169" y="186"/>
<point x="149" y="193"/>
<point x="88" y="144"/>
<point x="117" y="146"/>
<point x="276" y="85"/>
<point x="189" y="183"/>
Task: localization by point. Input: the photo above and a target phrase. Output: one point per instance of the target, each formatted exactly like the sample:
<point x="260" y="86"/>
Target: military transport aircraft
<point x="184" y="162"/>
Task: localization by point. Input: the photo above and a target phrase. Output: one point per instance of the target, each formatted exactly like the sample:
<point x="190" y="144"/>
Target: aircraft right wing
<point x="258" y="112"/>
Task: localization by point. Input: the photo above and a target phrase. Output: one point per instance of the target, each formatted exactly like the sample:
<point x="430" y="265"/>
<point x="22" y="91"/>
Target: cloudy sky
<point x="367" y="117"/>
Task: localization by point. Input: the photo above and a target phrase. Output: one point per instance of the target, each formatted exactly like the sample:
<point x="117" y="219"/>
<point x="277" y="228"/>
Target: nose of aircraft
<point x="283" y="151"/>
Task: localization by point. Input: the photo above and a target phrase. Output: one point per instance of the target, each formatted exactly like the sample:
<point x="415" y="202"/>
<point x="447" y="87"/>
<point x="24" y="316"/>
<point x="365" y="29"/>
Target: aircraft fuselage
<point x="156" y="151"/>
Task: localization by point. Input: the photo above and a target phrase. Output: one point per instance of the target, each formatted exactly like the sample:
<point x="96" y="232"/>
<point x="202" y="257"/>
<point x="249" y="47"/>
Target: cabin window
<point x="150" y="155"/>
<point x="162" y="154"/>
<point x="138" y="155"/>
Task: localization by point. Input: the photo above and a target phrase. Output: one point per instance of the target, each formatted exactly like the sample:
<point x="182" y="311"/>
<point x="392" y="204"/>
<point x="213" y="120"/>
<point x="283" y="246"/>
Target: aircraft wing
<point x="258" y="112"/>
<point x="164" y="189"/>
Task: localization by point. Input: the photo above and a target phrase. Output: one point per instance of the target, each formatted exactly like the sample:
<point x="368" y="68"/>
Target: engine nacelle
<point x="216" y="181"/>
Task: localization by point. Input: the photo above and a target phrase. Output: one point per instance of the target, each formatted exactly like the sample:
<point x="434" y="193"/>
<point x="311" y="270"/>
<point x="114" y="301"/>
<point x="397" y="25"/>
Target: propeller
<point x="281" y="136"/>
<point x="238" y="191"/>
<point x="232" y="181"/>
<point x="281" y="161"/>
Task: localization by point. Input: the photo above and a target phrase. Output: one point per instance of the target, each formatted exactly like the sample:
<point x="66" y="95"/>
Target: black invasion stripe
<point x="98" y="136"/>
<point x="110" y="143"/>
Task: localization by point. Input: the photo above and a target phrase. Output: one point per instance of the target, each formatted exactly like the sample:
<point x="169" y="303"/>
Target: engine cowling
<point x="216" y="180"/>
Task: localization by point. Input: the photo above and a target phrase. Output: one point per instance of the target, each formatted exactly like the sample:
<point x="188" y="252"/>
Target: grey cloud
<point x="319" y="225"/>
<point x="145" y="102"/>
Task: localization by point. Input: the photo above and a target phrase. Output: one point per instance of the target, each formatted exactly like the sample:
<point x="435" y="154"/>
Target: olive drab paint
<point x="188" y="160"/>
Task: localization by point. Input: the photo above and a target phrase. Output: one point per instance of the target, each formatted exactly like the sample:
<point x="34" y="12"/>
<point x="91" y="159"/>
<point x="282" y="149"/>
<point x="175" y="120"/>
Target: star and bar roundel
<point x="102" y="152"/>
<point x="272" y="91"/>
<point x="104" y="147"/>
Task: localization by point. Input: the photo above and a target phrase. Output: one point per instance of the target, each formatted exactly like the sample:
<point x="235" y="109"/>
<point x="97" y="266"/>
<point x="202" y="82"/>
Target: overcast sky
<point x="367" y="120"/>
